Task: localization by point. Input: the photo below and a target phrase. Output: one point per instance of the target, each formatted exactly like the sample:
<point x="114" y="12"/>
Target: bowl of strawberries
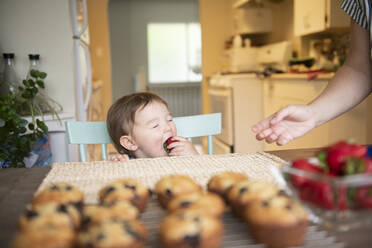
<point x="335" y="185"/>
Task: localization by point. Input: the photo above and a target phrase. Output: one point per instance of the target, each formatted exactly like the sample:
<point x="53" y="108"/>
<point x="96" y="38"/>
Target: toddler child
<point x="140" y="123"/>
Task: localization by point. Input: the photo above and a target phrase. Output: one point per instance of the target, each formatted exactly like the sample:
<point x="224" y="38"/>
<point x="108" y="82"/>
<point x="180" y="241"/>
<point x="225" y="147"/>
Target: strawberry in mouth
<point x="167" y="143"/>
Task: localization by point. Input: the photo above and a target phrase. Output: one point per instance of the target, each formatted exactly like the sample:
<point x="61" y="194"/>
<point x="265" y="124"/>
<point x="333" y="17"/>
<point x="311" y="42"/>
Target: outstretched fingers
<point x="283" y="139"/>
<point x="265" y="133"/>
<point x="281" y="114"/>
<point x="262" y="125"/>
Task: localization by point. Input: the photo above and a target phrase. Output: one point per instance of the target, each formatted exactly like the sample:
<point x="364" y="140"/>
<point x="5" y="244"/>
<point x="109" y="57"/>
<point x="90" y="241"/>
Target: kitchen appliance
<point x="83" y="71"/>
<point x="238" y="96"/>
<point x="242" y="59"/>
<point x="275" y="55"/>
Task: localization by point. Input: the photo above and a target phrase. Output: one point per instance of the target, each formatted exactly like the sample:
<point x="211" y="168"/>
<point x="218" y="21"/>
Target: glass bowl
<point x="339" y="203"/>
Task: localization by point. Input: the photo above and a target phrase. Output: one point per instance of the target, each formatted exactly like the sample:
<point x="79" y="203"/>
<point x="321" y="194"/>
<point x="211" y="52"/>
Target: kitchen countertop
<point x="322" y="76"/>
<point x="301" y="76"/>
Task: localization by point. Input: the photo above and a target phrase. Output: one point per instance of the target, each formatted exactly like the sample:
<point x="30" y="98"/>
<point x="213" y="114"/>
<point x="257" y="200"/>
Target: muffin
<point x="114" y="234"/>
<point x="96" y="214"/>
<point x="221" y="183"/>
<point x="205" y="203"/>
<point x="277" y="222"/>
<point x="45" y="237"/>
<point x="63" y="193"/>
<point x="191" y="229"/>
<point x="175" y="185"/>
<point x="50" y="214"/>
<point x="126" y="189"/>
<point x="247" y="191"/>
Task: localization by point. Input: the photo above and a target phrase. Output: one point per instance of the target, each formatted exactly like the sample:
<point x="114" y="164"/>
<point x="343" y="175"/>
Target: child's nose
<point x="167" y="127"/>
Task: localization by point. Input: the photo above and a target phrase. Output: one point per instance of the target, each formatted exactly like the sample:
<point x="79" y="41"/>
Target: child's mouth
<point x="167" y="143"/>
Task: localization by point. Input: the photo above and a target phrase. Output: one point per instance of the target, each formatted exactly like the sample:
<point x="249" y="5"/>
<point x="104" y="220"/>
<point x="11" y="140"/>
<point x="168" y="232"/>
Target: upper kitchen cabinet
<point x="251" y="17"/>
<point x="318" y="16"/>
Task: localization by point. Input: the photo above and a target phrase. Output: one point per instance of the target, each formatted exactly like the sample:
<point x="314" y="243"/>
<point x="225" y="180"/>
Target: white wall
<point x="43" y="27"/>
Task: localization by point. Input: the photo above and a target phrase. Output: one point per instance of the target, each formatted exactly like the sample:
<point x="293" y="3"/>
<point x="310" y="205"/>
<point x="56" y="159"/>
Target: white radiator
<point x="182" y="99"/>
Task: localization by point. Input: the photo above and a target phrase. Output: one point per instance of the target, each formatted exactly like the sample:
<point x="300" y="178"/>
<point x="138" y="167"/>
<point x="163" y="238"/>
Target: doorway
<point x="131" y="23"/>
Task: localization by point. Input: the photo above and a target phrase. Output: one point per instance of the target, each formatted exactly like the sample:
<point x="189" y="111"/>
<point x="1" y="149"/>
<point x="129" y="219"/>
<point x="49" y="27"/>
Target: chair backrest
<point x="198" y="126"/>
<point x="83" y="132"/>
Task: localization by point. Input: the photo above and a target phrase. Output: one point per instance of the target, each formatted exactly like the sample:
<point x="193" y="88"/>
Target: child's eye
<point x="155" y="126"/>
<point x="170" y="120"/>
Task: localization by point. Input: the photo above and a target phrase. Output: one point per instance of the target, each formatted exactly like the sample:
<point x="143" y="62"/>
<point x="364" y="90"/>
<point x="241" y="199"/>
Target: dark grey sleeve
<point x="357" y="10"/>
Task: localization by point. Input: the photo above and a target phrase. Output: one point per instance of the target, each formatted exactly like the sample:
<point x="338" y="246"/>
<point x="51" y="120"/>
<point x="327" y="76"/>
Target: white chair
<point x="85" y="132"/>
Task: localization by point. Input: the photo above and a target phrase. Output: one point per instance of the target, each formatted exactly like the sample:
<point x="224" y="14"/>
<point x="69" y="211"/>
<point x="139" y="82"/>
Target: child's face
<point x="152" y="127"/>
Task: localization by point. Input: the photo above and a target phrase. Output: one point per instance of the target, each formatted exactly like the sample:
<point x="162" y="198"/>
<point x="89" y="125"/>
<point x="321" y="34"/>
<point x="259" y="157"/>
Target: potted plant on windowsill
<point x="17" y="134"/>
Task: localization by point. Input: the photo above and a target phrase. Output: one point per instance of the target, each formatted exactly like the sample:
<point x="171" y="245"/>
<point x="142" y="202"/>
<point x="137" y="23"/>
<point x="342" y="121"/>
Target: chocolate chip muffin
<point x="114" y="234"/>
<point x="245" y="192"/>
<point x="206" y="203"/>
<point x="50" y="214"/>
<point x="175" y="185"/>
<point x="45" y="237"/>
<point x="96" y="214"/>
<point x="277" y="222"/>
<point x="63" y="193"/>
<point x="191" y="229"/>
<point x="222" y="183"/>
<point x="126" y="189"/>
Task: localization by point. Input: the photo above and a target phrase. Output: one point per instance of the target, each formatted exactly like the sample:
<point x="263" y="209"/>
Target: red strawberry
<point x="338" y="153"/>
<point x="305" y="165"/>
<point x="354" y="165"/>
<point x="364" y="197"/>
<point x="308" y="194"/>
<point x="321" y="194"/>
<point x="368" y="165"/>
<point x="167" y="143"/>
<point x="327" y="198"/>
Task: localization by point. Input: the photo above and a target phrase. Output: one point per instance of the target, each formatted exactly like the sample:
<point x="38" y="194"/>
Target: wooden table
<point x="18" y="185"/>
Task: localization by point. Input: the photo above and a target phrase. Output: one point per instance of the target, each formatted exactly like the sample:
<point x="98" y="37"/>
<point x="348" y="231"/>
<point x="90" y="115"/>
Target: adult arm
<point x="350" y="85"/>
<point x="352" y="82"/>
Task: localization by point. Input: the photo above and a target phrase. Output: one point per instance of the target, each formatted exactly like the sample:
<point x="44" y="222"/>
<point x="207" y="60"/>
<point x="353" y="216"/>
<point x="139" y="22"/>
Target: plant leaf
<point x="42" y="125"/>
<point x="34" y="73"/>
<point x="31" y="126"/>
<point x="23" y="122"/>
<point x="42" y="75"/>
<point x="40" y="83"/>
<point x="31" y="82"/>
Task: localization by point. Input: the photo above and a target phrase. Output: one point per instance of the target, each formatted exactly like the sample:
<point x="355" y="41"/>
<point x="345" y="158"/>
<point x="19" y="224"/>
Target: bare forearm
<point x="351" y="84"/>
<point x="347" y="89"/>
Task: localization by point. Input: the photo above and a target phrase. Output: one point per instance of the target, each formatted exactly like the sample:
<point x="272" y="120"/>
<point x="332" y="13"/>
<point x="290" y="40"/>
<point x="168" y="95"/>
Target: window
<point x="174" y="52"/>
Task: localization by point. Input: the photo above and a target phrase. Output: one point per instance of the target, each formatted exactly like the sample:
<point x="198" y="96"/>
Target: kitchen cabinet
<point x="252" y="20"/>
<point x="280" y="91"/>
<point x="240" y="3"/>
<point x="318" y="16"/>
<point x="248" y="99"/>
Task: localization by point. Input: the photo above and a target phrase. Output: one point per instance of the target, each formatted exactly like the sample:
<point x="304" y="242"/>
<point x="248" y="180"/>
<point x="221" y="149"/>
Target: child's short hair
<point x="121" y="116"/>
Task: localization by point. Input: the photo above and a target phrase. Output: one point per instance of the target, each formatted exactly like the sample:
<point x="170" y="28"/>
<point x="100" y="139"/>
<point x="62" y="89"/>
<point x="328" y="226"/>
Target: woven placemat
<point x="92" y="176"/>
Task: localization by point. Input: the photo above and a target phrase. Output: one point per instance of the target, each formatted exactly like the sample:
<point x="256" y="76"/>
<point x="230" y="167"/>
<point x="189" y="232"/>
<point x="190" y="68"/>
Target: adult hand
<point x="285" y="125"/>
<point x="119" y="157"/>
<point x="181" y="147"/>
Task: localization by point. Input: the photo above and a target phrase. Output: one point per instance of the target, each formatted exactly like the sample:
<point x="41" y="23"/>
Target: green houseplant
<point x="17" y="135"/>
